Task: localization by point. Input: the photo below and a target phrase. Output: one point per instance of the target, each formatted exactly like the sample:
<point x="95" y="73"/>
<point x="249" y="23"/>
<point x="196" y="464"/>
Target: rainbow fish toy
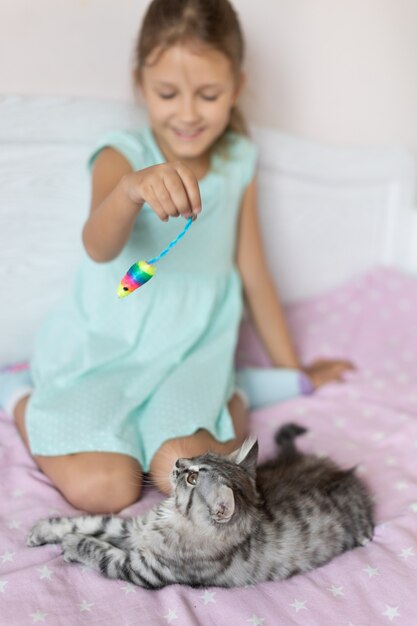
<point x="135" y="277"/>
<point x="142" y="271"/>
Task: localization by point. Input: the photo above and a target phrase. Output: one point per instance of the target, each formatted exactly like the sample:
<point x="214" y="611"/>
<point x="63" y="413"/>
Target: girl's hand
<point x="171" y="189"/>
<point x="325" y="371"/>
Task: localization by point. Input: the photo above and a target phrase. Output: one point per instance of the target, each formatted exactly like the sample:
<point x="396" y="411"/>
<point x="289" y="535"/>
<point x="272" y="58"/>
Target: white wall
<point x="340" y="71"/>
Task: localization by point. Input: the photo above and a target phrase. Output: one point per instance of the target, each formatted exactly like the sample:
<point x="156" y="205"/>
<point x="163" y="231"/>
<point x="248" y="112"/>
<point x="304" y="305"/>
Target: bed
<point x="341" y="232"/>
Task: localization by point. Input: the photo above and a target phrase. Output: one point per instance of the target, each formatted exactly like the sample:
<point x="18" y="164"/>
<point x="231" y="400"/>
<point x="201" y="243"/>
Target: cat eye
<point x="192" y="478"/>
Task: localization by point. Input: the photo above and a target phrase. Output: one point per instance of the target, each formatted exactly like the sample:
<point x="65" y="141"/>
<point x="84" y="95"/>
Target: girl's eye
<point x="167" y="96"/>
<point x="192" y="478"/>
<point x="209" y="98"/>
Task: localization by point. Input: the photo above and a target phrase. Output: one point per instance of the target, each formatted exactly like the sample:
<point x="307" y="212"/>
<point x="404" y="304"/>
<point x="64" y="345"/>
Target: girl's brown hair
<point x="211" y="22"/>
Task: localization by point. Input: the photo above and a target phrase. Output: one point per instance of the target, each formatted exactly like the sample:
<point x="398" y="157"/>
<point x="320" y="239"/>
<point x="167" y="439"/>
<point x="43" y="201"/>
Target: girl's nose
<point x="188" y="111"/>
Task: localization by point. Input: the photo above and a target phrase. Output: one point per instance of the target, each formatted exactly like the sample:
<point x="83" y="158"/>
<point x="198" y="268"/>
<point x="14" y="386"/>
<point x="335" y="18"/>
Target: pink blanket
<point x="369" y="421"/>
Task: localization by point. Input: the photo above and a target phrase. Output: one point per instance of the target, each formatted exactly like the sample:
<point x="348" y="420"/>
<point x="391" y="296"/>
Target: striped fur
<point x="227" y="523"/>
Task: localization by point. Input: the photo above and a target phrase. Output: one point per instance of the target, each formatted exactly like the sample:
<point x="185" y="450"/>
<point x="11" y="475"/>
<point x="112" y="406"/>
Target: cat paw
<point x="42" y="533"/>
<point x="69" y="545"/>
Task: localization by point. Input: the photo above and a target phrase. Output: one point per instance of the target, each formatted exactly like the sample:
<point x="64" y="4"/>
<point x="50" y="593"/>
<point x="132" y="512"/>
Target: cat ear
<point x="224" y="505"/>
<point x="247" y="455"/>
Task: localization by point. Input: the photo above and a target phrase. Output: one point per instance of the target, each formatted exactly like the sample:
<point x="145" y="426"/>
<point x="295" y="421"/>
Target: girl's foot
<point x="269" y="385"/>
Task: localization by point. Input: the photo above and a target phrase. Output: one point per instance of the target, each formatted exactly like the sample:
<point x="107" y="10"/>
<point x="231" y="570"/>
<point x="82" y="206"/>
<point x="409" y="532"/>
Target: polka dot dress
<point x="125" y="375"/>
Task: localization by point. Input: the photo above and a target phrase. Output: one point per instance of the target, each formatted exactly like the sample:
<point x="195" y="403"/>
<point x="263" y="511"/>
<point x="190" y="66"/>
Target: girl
<point x="125" y="387"/>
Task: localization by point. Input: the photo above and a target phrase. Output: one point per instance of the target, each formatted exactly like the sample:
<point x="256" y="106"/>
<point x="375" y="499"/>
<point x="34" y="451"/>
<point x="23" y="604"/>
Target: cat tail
<point x="285" y="439"/>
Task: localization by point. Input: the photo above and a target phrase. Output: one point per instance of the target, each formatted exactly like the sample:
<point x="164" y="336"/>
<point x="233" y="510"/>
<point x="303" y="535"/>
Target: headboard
<point x="326" y="213"/>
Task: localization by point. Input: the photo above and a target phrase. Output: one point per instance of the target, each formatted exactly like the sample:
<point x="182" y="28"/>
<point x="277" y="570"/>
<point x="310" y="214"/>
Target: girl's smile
<point x="187" y="135"/>
<point x="189" y="91"/>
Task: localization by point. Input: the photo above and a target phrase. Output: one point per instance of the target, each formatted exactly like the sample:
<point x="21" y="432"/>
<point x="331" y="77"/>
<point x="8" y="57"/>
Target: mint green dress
<point x="125" y="375"/>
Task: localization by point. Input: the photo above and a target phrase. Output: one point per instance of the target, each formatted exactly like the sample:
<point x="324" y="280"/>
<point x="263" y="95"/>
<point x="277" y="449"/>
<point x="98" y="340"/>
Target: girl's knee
<point x="19" y="417"/>
<point x="102" y="492"/>
<point x="239" y="414"/>
<point x="183" y="448"/>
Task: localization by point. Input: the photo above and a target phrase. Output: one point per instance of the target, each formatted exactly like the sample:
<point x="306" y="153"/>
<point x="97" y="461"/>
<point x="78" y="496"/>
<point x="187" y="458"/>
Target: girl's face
<point x="189" y="93"/>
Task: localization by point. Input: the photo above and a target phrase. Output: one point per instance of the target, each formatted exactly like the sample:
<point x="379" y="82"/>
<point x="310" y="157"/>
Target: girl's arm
<point x="263" y="301"/>
<point x="112" y="212"/>
<point x="119" y="193"/>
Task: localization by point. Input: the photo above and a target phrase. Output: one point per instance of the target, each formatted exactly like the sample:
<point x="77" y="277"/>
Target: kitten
<point x="227" y="523"/>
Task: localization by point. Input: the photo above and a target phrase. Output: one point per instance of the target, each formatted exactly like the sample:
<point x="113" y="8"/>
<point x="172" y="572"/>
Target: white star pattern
<point x="404" y="305"/>
<point x="14" y="524"/>
<point x="412" y="398"/>
<point x="86" y="606"/>
<point x="378" y="436"/>
<point x="298" y="605"/>
<point x="378" y="384"/>
<point x="407" y="356"/>
<point x="400" y="485"/>
<point x="405" y="553"/>
<point x="326" y="349"/>
<point x="413" y="507"/>
<point x="302" y="411"/>
<point x="367" y="412"/>
<point x="38" y="617"/>
<point x="336" y="591"/>
<point x="3" y="584"/>
<point x="7" y="557"/>
<point x="171" y="615"/>
<point x="255" y="620"/>
<point x="371" y="571"/>
<point x="45" y="572"/>
<point x="391" y="612"/>
<point x="18" y="493"/>
<point x="129" y="588"/>
<point x="402" y="379"/>
<point x="208" y="596"/>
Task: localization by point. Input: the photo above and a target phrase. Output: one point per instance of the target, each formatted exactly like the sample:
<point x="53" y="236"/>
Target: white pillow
<point x="44" y="198"/>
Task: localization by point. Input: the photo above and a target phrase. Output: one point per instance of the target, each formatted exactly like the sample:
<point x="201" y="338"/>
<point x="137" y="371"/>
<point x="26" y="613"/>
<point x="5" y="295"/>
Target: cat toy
<point x="142" y="271"/>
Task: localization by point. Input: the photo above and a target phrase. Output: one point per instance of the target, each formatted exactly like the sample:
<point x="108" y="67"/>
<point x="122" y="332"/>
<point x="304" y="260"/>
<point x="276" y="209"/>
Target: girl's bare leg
<point x="197" y="443"/>
<point x="94" y="482"/>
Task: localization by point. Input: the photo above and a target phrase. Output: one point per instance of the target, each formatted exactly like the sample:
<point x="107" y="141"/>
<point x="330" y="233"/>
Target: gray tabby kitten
<point x="226" y="523"/>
